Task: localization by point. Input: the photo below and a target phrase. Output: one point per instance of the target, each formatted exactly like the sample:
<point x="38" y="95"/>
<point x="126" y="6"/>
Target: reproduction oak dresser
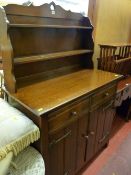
<point x="48" y="71"/>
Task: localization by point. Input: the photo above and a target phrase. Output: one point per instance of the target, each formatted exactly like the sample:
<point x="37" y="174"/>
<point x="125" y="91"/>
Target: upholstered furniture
<point x="17" y="132"/>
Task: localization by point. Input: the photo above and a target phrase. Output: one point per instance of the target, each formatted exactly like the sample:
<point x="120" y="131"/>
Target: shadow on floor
<point x="118" y="123"/>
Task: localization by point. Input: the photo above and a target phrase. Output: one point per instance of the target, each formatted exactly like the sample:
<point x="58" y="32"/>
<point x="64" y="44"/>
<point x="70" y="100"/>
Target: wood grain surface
<point x="46" y="95"/>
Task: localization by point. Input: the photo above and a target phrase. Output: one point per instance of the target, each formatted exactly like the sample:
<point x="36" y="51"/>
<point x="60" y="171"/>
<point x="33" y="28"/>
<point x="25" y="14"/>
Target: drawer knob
<point x="106" y="94"/>
<point x="86" y="137"/>
<point x="66" y="173"/>
<point x="74" y="113"/>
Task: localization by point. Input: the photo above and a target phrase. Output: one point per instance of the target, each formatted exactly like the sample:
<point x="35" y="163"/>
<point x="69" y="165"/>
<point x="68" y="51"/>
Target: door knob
<point x="86" y="137"/>
<point x="92" y="133"/>
<point x="66" y="173"/>
<point x="74" y="113"/>
<point x="106" y="94"/>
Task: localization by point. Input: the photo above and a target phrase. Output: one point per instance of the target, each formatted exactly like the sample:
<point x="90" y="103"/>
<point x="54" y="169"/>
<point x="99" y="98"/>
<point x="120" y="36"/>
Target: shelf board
<point x="49" y="56"/>
<point x="48" y="26"/>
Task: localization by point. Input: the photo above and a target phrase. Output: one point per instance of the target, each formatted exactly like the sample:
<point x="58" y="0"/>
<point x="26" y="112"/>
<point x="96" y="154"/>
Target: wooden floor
<point x="120" y="131"/>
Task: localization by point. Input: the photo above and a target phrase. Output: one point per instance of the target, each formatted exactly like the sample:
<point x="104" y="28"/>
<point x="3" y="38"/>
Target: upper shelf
<point x="48" y="26"/>
<point x="49" y="56"/>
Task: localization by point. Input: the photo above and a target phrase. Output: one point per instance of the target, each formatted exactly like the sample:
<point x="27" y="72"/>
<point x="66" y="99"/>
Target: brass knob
<point x="92" y="133"/>
<point x="106" y="94"/>
<point x="86" y="137"/>
<point x="74" y="113"/>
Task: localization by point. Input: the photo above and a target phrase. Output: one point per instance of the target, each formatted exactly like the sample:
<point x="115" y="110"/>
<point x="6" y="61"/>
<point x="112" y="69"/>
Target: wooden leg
<point x="106" y="145"/>
<point x="129" y="113"/>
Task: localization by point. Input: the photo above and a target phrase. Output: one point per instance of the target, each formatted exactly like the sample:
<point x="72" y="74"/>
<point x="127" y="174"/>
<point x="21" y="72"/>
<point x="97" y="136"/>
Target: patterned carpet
<point x="120" y="162"/>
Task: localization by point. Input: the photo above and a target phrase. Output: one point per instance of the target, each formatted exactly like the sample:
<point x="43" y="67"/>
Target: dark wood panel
<point x="59" y="119"/>
<point x="62" y="156"/>
<point x="105" y="115"/>
<point x="46" y="66"/>
<point x="92" y="131"/>
<point x="42" y="11"/>
<point x="100" y="127"/>
<point x="82" y="140"/>
<point x="103" y="95"/>
<point x="56" y="155"/>
<point x="43" y="41"/>
<point x="16" y="19"/>
<point x="110" y="114"/>
<point x="42" y="76"/>
<point x="48" y="26"/>
<point x="33" y="31"/>
<point x="70" y="150"/>
<point x="50" y="56"/>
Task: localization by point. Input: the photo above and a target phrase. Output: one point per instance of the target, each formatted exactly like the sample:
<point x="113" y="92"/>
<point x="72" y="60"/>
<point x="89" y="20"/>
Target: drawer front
<point x="103" y="95"/>
<point x="58" y="120"/>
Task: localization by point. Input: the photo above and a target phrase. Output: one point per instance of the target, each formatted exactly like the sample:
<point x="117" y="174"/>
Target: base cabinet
<point x="67" y="148"/>
<point x="78" y="132"/>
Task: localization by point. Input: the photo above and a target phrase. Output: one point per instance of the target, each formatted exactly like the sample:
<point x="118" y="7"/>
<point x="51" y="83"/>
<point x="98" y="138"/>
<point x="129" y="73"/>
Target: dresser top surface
<point x="47" y="95"/>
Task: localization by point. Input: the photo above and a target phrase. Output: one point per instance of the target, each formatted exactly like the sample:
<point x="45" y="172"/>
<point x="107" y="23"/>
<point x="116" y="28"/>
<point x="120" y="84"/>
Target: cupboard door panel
<point x="101" y="117"/>
<point x="92" y="135"/>
<point x="70" y="150"/>
<point x="56" y="155"/>
<point x="82" y="139"/>
<point x="62" y="151"/>
<point x="104" y="117"/>
<point x="108" y="124"/>
<point x="100" y="122"/>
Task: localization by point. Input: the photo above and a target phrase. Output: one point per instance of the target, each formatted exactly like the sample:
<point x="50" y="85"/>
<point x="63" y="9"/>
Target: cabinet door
<point x="99" y="129"/>
<point x="62" y="151"/>
<point x="105" y="116"/>
<point x="108" y="115"/>
<point x="82" y="139"/>
<point x="92" y="130"/>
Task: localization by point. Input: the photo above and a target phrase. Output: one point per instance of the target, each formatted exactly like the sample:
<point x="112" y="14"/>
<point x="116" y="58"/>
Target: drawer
<point x="63" y="118"/>
<point x="103" y="95"/>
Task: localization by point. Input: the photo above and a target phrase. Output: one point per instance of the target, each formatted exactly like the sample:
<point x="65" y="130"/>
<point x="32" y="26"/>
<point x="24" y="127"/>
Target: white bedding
<point x="16" y="130"/>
